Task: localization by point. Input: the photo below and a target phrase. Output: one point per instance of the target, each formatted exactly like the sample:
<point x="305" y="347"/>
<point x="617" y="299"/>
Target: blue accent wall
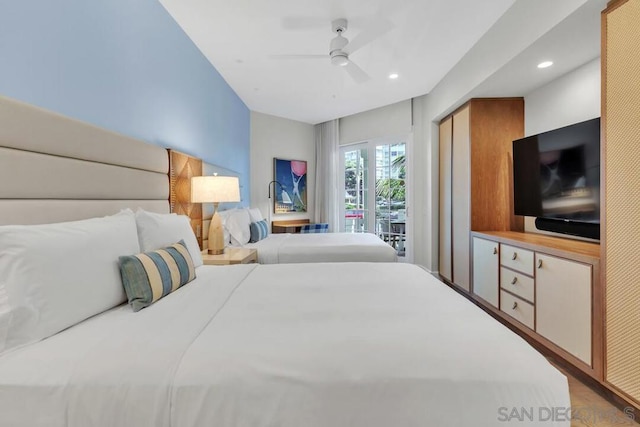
<point x="127" y="66"/>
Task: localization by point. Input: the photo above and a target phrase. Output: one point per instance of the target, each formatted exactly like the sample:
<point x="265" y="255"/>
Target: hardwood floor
<point x="590" y="409"/>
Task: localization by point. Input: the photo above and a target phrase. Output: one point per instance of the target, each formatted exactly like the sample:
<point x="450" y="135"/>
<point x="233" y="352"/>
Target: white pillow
<point x="255" y="215"/>
<point x="238" y="225"/>
<point x="53" y="276"/>
<point x="156" y="231"/>
<point x="224" y="216"/>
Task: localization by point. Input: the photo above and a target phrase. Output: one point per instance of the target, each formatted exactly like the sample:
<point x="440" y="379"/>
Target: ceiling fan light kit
<point x="339" y="58"/>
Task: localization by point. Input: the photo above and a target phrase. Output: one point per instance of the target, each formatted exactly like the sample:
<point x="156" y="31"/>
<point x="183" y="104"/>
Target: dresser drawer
<point x="517" y="308"/>
<point x="517" y="283"/>
<point x="517" y="259"/>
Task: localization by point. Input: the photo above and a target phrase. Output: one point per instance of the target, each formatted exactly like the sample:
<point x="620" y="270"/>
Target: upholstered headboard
<point x="54" y="168"/>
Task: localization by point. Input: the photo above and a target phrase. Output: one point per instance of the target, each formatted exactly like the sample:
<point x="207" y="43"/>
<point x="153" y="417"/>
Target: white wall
<point x="572" y="98"/>
<point x="271" y="137"/>
<point x="389" y="121"/>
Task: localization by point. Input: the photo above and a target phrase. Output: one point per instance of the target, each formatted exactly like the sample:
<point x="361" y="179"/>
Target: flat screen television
<point x="556" y="178"/>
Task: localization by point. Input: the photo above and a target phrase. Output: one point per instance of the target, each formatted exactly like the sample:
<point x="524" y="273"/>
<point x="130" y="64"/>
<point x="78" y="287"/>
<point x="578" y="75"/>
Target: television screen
<point x="557" y="173"/>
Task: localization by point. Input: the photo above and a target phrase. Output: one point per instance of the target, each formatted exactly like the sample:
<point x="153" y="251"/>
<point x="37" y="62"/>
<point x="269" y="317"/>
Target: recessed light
<point x="393" y="76"/>
<point x="545" y="64"/>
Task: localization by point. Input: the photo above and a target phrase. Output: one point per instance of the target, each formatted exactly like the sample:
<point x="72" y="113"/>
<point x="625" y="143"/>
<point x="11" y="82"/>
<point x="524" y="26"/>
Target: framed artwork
<point x="290" y="186"/>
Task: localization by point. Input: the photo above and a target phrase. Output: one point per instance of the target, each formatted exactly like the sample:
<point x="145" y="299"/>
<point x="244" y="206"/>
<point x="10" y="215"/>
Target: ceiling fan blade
<point x="356" y="73"/>
<point x="375" y="29"/>
<point x="300" y="56"/>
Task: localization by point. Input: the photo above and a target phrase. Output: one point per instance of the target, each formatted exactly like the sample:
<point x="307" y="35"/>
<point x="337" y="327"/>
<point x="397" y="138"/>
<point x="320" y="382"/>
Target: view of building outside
<point x="390" y="212"/>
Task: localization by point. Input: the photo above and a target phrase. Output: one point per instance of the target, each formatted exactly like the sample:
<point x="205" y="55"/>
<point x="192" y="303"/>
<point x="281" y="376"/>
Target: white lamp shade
<point x="215" y="189"/>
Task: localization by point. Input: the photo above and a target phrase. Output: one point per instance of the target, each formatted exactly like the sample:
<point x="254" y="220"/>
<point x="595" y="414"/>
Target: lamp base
<point x="216" y="233"/>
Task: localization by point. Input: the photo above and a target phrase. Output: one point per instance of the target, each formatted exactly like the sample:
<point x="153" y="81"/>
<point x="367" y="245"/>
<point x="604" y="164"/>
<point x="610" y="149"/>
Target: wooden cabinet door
<point x="460" y="198"/>
<point x="485" y="270"/>
<point x="563" y="304"/>
<point x="445" y="248"/>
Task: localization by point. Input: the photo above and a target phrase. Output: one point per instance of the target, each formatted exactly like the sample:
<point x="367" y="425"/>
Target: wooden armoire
<point x="475" y="178"/>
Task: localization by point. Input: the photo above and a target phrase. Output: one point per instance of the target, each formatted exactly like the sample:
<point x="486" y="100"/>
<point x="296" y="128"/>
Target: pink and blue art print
<point x="290" y="186"/>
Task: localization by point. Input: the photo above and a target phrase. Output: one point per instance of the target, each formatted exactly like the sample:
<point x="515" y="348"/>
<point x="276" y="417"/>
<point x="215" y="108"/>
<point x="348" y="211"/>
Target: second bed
<point x="323" y="247"/>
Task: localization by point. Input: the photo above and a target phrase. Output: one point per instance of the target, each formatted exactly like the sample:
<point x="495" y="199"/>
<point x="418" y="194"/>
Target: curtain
<point x="326" y="195"/>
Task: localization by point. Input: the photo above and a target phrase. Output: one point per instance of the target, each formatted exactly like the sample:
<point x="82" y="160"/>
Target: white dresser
<point x="546" y="287"/>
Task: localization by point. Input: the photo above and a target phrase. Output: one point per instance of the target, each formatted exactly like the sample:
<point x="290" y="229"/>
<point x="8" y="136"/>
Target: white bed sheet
<point x="323" y="247"/>
<point x="346" y="344"/>
<point x="115" y="369"/>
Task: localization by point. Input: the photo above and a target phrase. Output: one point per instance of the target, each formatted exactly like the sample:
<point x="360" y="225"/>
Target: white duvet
<point x="323" y="247"/>
<point x="304" y="345"/>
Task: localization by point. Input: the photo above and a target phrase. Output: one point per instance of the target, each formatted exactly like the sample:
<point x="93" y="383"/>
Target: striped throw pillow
<point x="149" y="276"/>
<point x="259" y="230"/>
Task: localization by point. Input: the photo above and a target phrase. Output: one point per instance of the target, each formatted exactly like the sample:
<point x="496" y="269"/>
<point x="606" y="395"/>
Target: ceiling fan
<point x="340" y="48"/>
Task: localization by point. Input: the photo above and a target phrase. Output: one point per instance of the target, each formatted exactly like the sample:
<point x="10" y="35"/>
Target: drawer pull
<point x="495" y="251"/>
<point x="515" y="305"/>
<point x="515" y="279"/>
<point x="515" y="255"/>
<point x="539" y="263"/>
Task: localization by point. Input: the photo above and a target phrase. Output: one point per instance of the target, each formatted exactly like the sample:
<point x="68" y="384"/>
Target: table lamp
<point x="215" y="189"/>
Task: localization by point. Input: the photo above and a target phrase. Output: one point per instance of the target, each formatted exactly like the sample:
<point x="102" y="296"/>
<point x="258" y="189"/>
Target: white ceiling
<point x="571" y="43"/>
<point x="426" y="38"/>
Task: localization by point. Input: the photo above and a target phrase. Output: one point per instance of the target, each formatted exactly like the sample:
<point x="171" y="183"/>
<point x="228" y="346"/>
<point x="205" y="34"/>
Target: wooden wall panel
<point x="621" y="183"/>
<point x="182" y="168"/>
<point x="495" y="123"/>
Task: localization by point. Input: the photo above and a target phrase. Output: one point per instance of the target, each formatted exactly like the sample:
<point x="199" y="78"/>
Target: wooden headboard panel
<point x="54" y="168"/>
<point x="182" y="168"/>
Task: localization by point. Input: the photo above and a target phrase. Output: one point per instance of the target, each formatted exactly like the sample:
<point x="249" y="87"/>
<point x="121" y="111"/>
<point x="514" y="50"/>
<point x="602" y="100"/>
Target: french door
<point x="374" y="182"/>
<point x="356" y="209"/>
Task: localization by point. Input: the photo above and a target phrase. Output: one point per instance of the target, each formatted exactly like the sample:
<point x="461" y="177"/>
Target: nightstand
<point x="231" y="256"/>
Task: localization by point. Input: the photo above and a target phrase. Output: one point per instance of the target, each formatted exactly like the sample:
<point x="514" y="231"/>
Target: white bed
<point x="288" y="345"/>
<point x="323" y="247"/>
<point x="302" y="248"/>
